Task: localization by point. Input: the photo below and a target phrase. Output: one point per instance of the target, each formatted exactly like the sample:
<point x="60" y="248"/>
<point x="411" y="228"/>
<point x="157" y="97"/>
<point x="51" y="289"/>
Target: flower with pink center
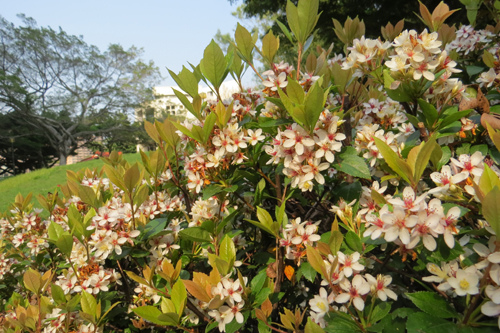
<point x="398" y="225"/>
<point x="445" y="180"/>
<point x="306" y="235"/>
<point x="297" y="138"/>
<point x="350" y="263"/>
<point x="470" y="165"/>
<point x="427" y="229"/>
<point x="379" y="286"/>
<point x="409" y="200"/>
<point x="274" y="82"/>
<point x="233" y="311"/>
<point x="255" y="137"/>
<point x="353" y="292"/>
<point x="232" y="289"/>
<point x="449" y="223"/>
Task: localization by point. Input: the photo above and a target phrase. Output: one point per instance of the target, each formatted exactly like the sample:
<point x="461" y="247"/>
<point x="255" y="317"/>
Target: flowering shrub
<point x="352" y="194"/>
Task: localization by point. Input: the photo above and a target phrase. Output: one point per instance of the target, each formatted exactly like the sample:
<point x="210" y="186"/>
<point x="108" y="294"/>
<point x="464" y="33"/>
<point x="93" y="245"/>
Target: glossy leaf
<point x="491" y="209"/>
<point x="245" y="43"/>
<point x="195" y="234"/>
<point x="394" y="161"/>
<point x="432" y="304"/>
<point x="213" y="65"/>
<point x="179" y="296"/>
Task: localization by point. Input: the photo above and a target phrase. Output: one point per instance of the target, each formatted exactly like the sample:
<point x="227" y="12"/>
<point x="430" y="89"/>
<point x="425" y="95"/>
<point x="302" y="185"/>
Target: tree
<point x="62" y="86"/>
<point x="22" y="149"/>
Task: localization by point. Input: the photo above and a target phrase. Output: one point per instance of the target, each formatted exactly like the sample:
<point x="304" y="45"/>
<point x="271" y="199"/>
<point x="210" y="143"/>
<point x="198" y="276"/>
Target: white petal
<point x="359" y="303"/>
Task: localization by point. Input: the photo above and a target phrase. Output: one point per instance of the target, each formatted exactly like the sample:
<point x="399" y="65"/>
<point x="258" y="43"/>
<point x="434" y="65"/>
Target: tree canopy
<point x="66" y="89"/>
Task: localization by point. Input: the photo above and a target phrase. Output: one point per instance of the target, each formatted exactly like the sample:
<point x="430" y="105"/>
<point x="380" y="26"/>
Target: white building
<point x="166" y="102"/>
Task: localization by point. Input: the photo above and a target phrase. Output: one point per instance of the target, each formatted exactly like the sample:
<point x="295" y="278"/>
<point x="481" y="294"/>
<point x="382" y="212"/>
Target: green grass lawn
<point x="44" y="180"/>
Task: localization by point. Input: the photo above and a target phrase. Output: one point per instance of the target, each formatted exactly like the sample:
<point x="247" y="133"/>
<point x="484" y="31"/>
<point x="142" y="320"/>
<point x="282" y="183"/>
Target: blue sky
<point x="172" y="32"/>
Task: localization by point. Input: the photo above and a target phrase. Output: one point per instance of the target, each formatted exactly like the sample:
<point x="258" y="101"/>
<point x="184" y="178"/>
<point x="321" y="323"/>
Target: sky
<point x="171" y="32"/>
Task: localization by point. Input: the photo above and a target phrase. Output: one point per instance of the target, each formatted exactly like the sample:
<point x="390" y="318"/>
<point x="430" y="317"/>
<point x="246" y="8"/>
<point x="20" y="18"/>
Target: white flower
<point x="465" y="282"/>
<point x="233" y="312"/>
<point x="491" y="309"/>
<point x="319" y="303"/>
<point x="255" y="137"/>
<point x="379" y="286"/>
<point x="470" y="165"/>
<point x="350" y="263"/>
<point x="274" y="82"/>
<point x="354" y="291"/>
<point x="397" y="225"/>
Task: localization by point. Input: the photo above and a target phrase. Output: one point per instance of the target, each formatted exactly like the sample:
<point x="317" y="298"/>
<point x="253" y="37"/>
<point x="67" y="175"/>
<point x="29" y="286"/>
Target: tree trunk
<point x="62" y="158"/>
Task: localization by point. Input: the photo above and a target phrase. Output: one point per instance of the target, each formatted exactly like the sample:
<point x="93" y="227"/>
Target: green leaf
<point x="187" y="104"/>
<point x="398" y="94"/>
<point x="354" y="242"/>
<point x="265" y="218"/>
<point x="338" y="323"/>
<point x="179" y="296"/>
<point x="432" y="304"/>
<point x="211" y="190"/>
<point x="380" y="311"/>
<point x="285" y="30"/>
<point x="348" y="191"/>
<point x="213" y="65"/>
<point x="261" y="226"/>
<point x="422" y="322"/>
<point x="491" y="209"/>
<point x="32" y="281"/>
<point x="153" y="228"/>
<point x="132" y="177"/>
<point x="57" y="294"/>
<point x="151" y="314"/>
<point x="186" y="80"/>
<point x="167" y="305"/>
<point x="258" y="282"/>
<point x="270" y="45"/>
<point x="88" y="304"/>
<point x="354" y="165"/>
<point x="208" y="126"/>
<point x="394" y="161"/>
<point x="292" y="16"/>
<point x="55" y="231"/>
<point x="227" y="250"/>
<point x="65" y="244"/>
<point x="445" y="158"/>
<point x="195" y="234"/>
<point x="169" y="317"/>
<point x="262" y="295"/>
<point x="451" y="118"/>
<point x="488" y="180"/>
<point x="314" y="104"/>
<point x="316" y="261"/>
<point x="312" y="327"/>
<point x="474" y="70"/>
<point x="245" y="43"/>
<point x="261" y="185"/>
<point x="423" y="157"/>
<point x="295" y="92"/>
<point x="335" y="241"/>
<point x="75" y="222"/>
<point x="307" y="271"/>
<point x="430" y="113"/>
<point x="88" y="195"/>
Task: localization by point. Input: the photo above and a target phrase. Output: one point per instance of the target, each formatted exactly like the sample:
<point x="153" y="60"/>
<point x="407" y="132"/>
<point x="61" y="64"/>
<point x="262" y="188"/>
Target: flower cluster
<point x="366" y="54"/>
<point x="468" y="40"/>
<point x="306" y="156"/>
